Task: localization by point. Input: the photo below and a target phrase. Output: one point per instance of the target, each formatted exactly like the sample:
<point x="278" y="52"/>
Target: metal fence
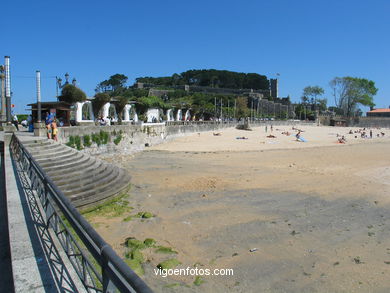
<point x="99" y="268"/>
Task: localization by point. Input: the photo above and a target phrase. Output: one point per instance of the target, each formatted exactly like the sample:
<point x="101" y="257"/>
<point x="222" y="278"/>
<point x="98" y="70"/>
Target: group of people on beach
<point x="362" y="132"/>
<point x="51" y="126"/>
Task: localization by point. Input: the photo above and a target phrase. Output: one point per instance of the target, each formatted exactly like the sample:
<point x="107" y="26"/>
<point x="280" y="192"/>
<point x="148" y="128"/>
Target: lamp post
<point x="2" y="79"/>
<point x="59" y="84"/>
<point x="38" y="77"/>
<point x="7" y="89"/>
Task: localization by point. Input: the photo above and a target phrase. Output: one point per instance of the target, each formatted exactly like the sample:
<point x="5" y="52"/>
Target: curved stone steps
<point x="45" y="149"/>
<point x="57" y="162"/>
<point x="92" y="182"/>
<point x="83" y="179"/>
<point x="37" y="143"/>
<point x="91" y="172"/>
<point x="59" y="154"/>
<point x="121" y="185"/>
<point x="69" y="167"/>
<point x="100" y="189"/>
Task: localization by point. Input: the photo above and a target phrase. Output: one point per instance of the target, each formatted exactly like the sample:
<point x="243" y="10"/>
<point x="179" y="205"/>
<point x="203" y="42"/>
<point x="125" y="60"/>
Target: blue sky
<point x="306" y="42"/>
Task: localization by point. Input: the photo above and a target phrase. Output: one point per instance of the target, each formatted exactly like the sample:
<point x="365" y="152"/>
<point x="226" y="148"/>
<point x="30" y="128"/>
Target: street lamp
<point x="59" y="84"/>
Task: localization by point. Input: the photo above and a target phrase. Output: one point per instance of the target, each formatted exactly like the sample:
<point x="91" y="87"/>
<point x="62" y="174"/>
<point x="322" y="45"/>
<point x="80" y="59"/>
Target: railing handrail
<point x="112" y="265"/>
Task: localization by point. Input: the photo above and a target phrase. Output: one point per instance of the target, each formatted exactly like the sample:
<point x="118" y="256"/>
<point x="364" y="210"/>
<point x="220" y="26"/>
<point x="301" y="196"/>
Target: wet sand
<point x="318" y="212"/>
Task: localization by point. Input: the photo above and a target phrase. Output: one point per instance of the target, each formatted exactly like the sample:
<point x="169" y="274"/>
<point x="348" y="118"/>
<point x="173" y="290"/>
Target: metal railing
<point x="99" y="268"/>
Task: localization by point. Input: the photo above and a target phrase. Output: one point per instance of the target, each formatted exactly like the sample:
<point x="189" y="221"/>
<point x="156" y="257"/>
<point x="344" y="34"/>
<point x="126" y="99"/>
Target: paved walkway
<point x="6" y="278"/>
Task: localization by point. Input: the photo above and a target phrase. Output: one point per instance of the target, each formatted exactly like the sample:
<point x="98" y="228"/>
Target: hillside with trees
<point x="211" y="78"/>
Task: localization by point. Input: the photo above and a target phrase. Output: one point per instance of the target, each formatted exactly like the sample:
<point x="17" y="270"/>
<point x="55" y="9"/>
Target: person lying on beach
<point x="286" y="133"/>
<point x="271" y="136"/>
<point x="241" y="137"/>
<point x="217" y="134"/>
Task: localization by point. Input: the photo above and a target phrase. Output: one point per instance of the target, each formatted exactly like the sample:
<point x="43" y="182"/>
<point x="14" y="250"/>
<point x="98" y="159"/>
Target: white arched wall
<point x="187" y="116"/>
<point x="129" y="113"/>
<point x="126" y="113"/>
<point x="105" y="110"/>
<point x="170" y="115"/>
<point x="153" y="113"/>
<point x="179" y="115"/>
<point x="79" y="111"/>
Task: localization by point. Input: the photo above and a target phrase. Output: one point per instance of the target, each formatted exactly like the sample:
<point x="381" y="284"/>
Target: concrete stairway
<point x="85" y="180"/>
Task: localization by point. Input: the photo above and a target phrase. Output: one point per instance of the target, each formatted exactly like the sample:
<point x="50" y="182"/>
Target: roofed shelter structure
<point x="62" y="111"/>
<point x="381" y="112"/>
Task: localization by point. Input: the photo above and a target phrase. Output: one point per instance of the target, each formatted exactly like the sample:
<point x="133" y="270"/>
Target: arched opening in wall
<point x="187" y="116"/>
<point x="86" y="112"/>
<point x="112" y="112"/>
<point x="161" y="115"/>
<point x="133" y="114"/>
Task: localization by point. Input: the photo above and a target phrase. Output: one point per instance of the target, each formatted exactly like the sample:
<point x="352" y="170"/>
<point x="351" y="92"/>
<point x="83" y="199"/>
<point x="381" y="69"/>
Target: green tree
<point x="72" y="94"/>
<point x="113" y="83"/>
<point x="350" y="92"/>
<point x="242" y="107"/>
<point x="313" y="92"/>
<point x="99" y="101"/>
<point x="120" y="103"/>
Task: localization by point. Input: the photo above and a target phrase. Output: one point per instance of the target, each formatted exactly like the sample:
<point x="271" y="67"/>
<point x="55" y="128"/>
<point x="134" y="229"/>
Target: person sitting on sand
<point x="350" y="132"/>
<point x="217" y="134"/>
<point x="298" y="135"/>
<point x="342" y="139"/>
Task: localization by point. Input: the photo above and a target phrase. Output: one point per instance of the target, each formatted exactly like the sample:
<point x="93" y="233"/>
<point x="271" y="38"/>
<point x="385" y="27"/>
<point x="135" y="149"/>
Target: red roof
<point x="383" y="110"/>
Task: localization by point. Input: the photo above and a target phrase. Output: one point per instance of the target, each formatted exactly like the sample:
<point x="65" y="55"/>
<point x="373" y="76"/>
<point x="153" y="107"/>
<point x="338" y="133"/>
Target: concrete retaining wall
<point x="135" y="138"/>
<point x="371" y="122"/>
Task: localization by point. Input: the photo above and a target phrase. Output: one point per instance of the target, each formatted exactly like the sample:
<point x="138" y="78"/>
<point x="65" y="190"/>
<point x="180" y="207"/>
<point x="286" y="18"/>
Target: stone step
<point x="37" y="143"/>
<point x="92" y="177"/>
<point x="104" y="179"/>
<point x="68" y="168"/>
<point x="77" y="175"/>
<point x="72" y="172"/>
<point x="86" y="201"/>
<point x="107" y="190"/>
<point x="45" y="150"/>
<point x="56" y="162"/>
<point x="60" y="153"/>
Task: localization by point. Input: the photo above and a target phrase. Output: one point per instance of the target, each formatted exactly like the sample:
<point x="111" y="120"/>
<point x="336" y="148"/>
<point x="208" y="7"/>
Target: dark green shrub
<point x="96" y="139"/>
<point x="118" y="139"/>
<point x="77" y="142"/>
<point x="87" y="140"/>
<point x="72" y="94"/>
<point x="104" y="137"/>
<point x="71" y="142"/>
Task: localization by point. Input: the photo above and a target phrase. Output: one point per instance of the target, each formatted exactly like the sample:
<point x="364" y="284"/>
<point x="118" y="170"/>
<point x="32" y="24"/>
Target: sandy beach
<point x="317" y="212"/>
